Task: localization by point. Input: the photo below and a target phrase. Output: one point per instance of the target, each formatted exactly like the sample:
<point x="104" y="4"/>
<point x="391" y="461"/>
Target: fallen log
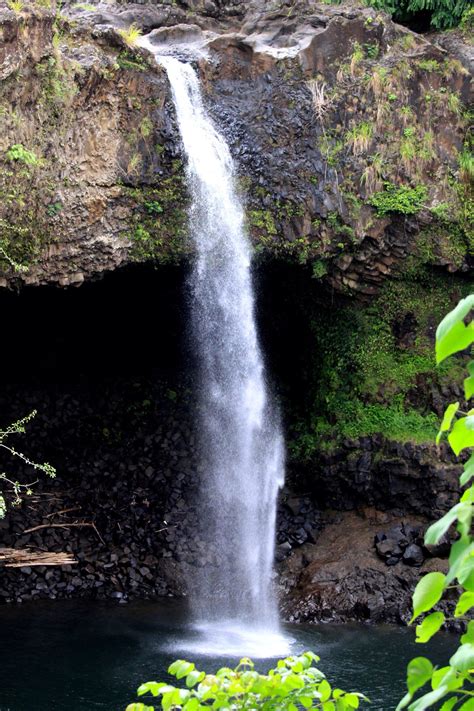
<point x="25" y="557"/>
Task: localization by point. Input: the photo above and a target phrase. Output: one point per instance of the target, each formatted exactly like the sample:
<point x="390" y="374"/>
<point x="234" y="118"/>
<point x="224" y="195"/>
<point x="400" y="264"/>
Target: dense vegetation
<point x="443" y="14"/>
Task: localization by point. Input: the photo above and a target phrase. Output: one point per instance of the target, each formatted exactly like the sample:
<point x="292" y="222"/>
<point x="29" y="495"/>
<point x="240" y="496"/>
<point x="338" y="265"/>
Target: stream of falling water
<point x="240" y="437"/>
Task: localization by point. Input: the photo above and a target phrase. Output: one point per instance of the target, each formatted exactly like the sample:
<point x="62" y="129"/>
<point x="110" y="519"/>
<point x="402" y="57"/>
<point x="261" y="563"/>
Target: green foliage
<point x="153" y="207"/>
<point x="455" y="334"/>
<point x="12" y="489"/>
<point x="87" y="7"/>
<point x="320" y="269"/>
<point x="364" y="378"/>
<point x="467" y="20"/>
<point x="399" y="198"/>
<point x="19" y="153"/>
<point x="129" y="60"/>
<point x="294" y="683"/>
<point x="263" y="220"/>
<point x="158" y="226"/>
<point x="443" y="13"/>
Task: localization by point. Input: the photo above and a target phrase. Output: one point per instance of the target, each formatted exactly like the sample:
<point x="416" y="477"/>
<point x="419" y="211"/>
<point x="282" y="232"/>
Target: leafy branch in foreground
<point x="10" y="487"/>
<point x="293" y="684"/>
<point x="454" y="683"/>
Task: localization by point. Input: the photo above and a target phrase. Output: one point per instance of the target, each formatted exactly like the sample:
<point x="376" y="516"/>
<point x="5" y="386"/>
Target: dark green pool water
<point x="81" y="656"/>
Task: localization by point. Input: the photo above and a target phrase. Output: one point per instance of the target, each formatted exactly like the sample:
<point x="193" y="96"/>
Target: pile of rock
<point x="404" y="543"/>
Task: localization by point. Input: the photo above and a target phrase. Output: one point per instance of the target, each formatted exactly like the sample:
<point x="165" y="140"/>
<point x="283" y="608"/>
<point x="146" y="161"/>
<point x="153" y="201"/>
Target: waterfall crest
<point x="241" y="441"/>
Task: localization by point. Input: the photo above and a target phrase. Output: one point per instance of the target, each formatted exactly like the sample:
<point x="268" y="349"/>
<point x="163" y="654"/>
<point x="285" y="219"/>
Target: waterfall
<point x="239" y="430"/>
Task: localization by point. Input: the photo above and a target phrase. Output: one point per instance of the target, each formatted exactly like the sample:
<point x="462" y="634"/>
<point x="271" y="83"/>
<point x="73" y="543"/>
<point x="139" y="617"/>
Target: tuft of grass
<point x="378" y="81"/>
<point x="134" y="164"/>
<point x="357" y="57"/>
<point x="372" y="175"/>
<point x="87" y="7"/>
<point x="18" y="153"/>
<point x="428" y="65"/>
<point x="320" y="100"/>
<point x="131" y="35"/>
<point x="146" y="127"/>
<point x="466" y="166"/>
<point x="360" y="137"/>
<point x="16" y="5"/>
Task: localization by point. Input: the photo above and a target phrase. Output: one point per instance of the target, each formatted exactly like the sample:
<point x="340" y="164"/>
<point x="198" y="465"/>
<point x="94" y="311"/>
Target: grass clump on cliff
<point x="131" y="35"/>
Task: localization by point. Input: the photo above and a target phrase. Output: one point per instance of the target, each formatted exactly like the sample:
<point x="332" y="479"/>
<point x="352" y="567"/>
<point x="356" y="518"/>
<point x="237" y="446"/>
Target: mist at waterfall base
<point x="80" y="655"/>
<point x="241" y="443"/>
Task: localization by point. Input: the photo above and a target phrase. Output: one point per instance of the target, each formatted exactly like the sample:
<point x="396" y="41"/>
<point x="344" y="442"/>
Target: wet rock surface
<point x="345" y="577"/>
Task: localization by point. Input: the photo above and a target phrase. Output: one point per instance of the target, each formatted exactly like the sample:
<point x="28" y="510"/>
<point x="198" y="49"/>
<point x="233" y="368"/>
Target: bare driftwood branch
<point x="65" y="525"/>
<point x="64" y="511"/>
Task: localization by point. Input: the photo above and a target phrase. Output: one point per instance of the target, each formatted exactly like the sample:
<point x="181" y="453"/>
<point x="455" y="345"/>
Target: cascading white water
<point x="241" y="441"/>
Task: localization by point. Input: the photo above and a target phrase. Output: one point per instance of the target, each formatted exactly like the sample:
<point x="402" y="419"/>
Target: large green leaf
<point x="447" y="420"/>
<point x="419" y="671"/>
<point x="468" y="472"/>
<point x="469" y="381"/>
<point x="465" y="602"/>
<point x="467" y="705"/>
<point x="468" y="636"/>
<point x="427" y="593"/>
<point x="461" y="552"/>
<point x="427" y="701"/>
<point x="463" y="658"/>
<point x="430" y="625"/>
<point x="462" y="434"/>
<point x="452" y="334"/>
<point x="439" y="528"/>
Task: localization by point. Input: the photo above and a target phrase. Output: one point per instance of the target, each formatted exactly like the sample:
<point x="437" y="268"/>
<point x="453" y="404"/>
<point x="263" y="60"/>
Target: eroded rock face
<point x="321" y="106"/>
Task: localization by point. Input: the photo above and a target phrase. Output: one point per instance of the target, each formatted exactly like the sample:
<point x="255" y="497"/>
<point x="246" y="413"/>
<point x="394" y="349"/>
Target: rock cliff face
<point x="347" y="132"/>
<point x="326" y="108"/>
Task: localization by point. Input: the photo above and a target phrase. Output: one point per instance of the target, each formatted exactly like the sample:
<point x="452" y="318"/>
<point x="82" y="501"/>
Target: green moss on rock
<point x="374" y="370"/>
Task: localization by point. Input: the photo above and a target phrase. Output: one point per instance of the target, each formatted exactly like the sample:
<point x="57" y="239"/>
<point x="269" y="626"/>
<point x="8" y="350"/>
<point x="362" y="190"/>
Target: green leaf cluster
<point x="295" y="683"/>
<point x="454" y="683"/>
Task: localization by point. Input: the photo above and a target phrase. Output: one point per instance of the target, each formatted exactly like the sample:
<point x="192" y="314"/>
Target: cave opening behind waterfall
<point x="110" y="368"/>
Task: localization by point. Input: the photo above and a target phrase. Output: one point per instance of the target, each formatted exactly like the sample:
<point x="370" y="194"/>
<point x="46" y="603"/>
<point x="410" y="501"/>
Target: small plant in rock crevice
<point x="360" y="137"/>
<point x="19" y="153"/>
<point x="16" y="5"/>
<point x="131" y="34"/>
